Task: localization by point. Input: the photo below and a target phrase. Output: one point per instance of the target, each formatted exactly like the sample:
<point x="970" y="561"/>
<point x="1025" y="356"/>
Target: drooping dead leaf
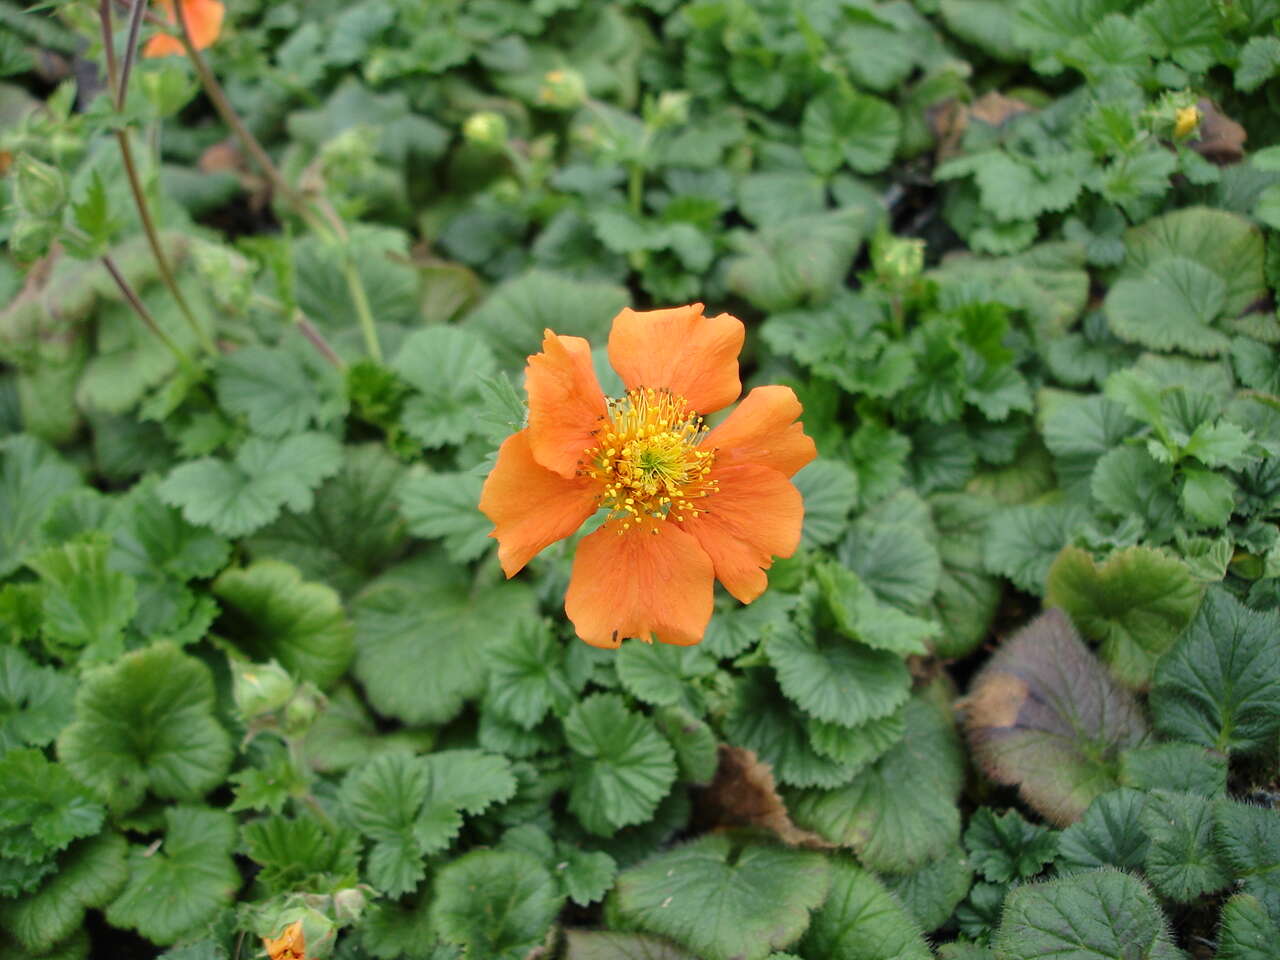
<point x="744" y="793"/>
<point x="1221" y="139"/>
<point x="949" y="120"/>
<point x="1045" y="716"/>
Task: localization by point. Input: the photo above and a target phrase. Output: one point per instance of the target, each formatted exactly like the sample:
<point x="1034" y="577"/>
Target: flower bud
<point x="30" y="237"/>
<point x="302" y="710"/>
<point x="897" y="258"/>
<point x="486" y="129"/>
<point x="260" y="688"/>
<point x="1185" y="122"/>
<point x="563" y="89"/>
<point x="42" y="189"/>
<point x="671" y="109"/>
<point x="348" y="905"/>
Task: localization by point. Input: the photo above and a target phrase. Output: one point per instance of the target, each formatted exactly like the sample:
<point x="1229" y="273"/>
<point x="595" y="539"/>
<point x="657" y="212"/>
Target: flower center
<point x="648" y="459"/>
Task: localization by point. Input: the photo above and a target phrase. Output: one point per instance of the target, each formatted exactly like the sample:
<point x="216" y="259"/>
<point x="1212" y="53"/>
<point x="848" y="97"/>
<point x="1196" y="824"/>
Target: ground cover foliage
<point x="1017" y="695"/>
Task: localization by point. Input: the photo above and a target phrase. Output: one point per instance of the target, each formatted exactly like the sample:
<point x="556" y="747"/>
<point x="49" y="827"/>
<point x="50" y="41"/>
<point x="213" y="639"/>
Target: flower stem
<point x="334" y="224"/>
<point x="109" y="48"/>
<point x="144" y="314"/>
<point x="136" y="13"/>
<point x="317" y="340"/>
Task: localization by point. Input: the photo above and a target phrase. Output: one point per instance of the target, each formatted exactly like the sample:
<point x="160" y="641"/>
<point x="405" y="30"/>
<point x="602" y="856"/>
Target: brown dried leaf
<point x="1221" y="139"/>
<point x="949" y="120"/>
<point x="744" y="793"/>
<point x="1045" y="716"/>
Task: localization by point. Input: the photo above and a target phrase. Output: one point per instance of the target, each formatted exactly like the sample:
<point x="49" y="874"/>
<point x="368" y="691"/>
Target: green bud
<point x="670" y="110"/>
<point x="486" y="129"/>
<point x="302" y="710"/>
<point x="348" y="905"/>
<point x="507" y="190"/>
<point x="41" y="188"/>
<point x="563" y="89"/>
<point x="897" y="258"/>
<point x="30" y="237"/>
<point x="260" y="688"/>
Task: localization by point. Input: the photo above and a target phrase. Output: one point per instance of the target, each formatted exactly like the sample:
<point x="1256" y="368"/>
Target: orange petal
<point x="204" y="20"/>
<point x="640" y="584"/>
<point x="531" y="507"/>
<point x="693" y="356"/>
<point x="565" y="402"/>
<point x="763" y="430"/>
<point x="755" y="515"/>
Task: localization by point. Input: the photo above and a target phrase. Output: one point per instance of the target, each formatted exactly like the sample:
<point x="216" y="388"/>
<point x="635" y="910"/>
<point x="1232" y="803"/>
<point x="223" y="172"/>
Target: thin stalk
<point x="108" y="31"/>
<point x="317" y="340"/>
<point x="355" y="285"/>
<point x="144" y="314"/>
<point x="136" y="13"/>
<point x="153" y="240"/>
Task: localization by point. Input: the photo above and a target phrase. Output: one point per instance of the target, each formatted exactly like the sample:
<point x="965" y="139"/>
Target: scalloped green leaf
<point x="494" y="903"/>
<point x="724" y="897"/>
<point x="32" y="477"/>
<point x="861" y="920"/>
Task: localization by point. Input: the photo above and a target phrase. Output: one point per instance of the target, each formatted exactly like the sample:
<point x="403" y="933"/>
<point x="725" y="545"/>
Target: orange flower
<point x="290" y="945"/>
<point x="204" y="20"/>
<point x="686" y="506"/>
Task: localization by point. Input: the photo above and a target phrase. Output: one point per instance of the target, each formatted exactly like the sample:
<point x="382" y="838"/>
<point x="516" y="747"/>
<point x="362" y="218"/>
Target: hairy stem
<point x="136" y="13"/>
<point x="144" y="314"/>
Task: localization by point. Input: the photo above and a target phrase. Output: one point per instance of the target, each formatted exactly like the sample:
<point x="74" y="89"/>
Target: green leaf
<point x="182" y="885"/>
<point x="860" y="616"/>
<point x="830" y="490"/>
<point x="1171" y="306"/>
<point x="494" y="903"/>
<point x="299" y="854"/>
<point x="1247" y="933"/>
<point x="834" y="679"/>
<point x="1006" y="847"/>
<point x="1129" y="483"/>
<point x="607" y="945"/>
<point x="890" y="548"/>
<point x="774" y="196"/>
<point x="239" y="497"/>
<point x="1044" y="715"/>
<point x="1079" y="430"/>
<point x="86" y="604"/>
<point x="843" y="126"/>
<point x="1022" y="542"/>
<point x="659" y="673"/>
<point x="697" y="756"/>
<point x="444" y="365"/>
<point x="43" y="808"/>
<point x="514" y="314"/>
<point x="32" y="477"/>
<point x="732" y="631"/>
<point x="1175" y="766"/>
<point x="1090" y="916"/>
<point x="527" y="676"/>
<point x="855" y="747"/>
<point x="1247" y="840"/>
<point x="275" y="615"/>
<point x="444" y="505"/>
<point x="900" y="813"/>
<point x="622" y="766"/>
<point x="1208" y="498"/>
<point x="89" y="875"/>
<point x="1220" y="684"/>
<point x="1259" y="61"/>
<point x="35" y="702"/>
<point x="346" y="735"/>
<point x="1015" y="188"/>
<point x="422" y="632"/>
<point x="270" y="388"/>
<point x="932" y="893"/>
<point x="724" y="897"/>
<point x="1181" y="862"/>
<point x="411" y="807"/>
<point x="353" y="530"/>
<point x="145" y="723"/>
<point x="1109" y="834"/>
<point x="860" y="920"/>
<point x="967" y="597"/>
<point x="1134" y="605"/>
<point x="802" y="260"/>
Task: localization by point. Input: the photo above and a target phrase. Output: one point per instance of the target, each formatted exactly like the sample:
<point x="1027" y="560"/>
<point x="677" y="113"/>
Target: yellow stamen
<point x="648" y="459"/>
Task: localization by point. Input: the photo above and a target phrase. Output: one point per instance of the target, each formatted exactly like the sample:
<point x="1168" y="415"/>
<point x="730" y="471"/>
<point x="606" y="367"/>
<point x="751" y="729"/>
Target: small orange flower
<point x="687" y="506"/>
<point x="290" y="945"/>
<point x="204" y="20"/>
